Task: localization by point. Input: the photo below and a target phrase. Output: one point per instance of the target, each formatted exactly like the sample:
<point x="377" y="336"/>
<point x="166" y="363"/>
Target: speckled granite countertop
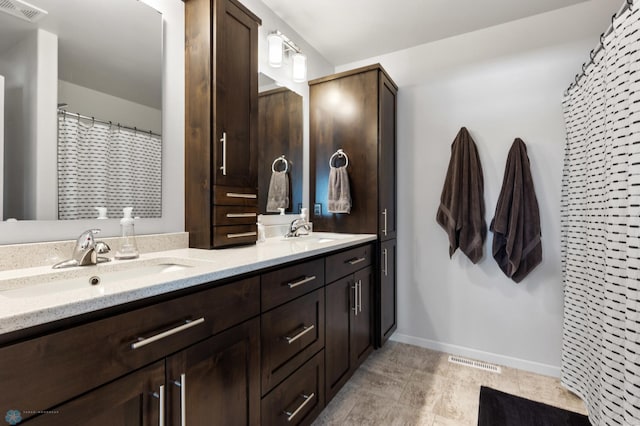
<point x="26" y="301"/>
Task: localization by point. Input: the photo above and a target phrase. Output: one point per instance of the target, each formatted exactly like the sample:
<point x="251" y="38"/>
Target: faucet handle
<point x="102" y="247"/>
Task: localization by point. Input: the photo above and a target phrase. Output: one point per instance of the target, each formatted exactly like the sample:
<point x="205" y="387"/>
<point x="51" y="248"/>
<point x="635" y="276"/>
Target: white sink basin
<point x="92" y="279"/>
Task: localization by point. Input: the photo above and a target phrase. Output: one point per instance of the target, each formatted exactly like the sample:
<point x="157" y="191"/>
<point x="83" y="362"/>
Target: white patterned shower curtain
<point x="100" y="165"/>
<point x="601" y="230"/>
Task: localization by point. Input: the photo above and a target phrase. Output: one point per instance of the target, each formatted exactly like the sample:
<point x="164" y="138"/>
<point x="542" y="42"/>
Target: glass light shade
<point x="276" y="50"/>
<point x="299" y="67"/>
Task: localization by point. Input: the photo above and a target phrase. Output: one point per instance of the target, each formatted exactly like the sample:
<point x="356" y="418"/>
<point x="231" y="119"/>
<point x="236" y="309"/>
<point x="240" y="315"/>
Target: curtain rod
<point x="94" y="120"/>
<point x="627" y="5"/>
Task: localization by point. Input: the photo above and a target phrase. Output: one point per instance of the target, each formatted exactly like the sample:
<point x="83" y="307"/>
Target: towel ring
<point x="284" y="160"/>
<point x="339" y="153"/>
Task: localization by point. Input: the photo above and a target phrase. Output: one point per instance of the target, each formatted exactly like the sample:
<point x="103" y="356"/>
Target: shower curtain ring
<point x="613" y="19"/>
<point x="630" y="3"/>
<point x="592" y="55"/>
<point x="602" y="40"/>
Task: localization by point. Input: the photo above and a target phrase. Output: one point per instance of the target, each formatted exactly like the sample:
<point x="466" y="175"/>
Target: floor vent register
<point x="475" y="364"/>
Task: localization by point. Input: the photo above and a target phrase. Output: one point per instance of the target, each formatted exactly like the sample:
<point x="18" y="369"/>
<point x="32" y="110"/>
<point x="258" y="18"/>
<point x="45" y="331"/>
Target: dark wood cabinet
<point x="221" y="141"/>
<point x="387" y="296"/>
<point x="132" y="400"/>
<point x="356" y="111"/>
<point x="349" y="327"/>
<point x="217" y="381"/>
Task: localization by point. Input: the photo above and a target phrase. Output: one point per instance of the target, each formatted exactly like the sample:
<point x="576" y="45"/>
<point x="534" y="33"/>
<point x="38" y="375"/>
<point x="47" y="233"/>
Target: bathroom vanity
<point x="250" y="335"/>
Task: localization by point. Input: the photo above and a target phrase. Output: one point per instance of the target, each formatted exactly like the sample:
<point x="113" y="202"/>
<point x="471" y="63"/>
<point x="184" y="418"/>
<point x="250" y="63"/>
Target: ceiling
<point x="112" y="46"/>
<point x="345" y="31"/>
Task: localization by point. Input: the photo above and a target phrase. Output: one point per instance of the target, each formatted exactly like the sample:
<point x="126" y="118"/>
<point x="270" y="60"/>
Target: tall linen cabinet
<point x="356" y="111"/>
<point x="221" y="125"/>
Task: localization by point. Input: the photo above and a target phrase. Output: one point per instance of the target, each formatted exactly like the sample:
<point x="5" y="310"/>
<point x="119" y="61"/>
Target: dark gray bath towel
<point x="516" y="225"/>
<point x="461" y="211"/>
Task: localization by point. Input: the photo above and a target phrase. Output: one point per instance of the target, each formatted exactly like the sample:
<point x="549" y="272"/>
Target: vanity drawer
<point x="291" y="333"/>
<point x="299" y="399"/>
<point x="288" y="283"/>
<point x="40" y="373"/>
<point x="234" y="235"/>
<point x="234" y="196"/>
<point x="347" y="262"/>
<point x="235" y="215"/>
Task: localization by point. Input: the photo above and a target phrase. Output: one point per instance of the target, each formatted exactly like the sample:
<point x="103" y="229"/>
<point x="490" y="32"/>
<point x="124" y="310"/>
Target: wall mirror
<point x="280" y="133"/>
<point x="82" y="109"/>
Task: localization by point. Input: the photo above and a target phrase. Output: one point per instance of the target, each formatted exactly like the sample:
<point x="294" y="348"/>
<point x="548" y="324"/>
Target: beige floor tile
<point x="443" y="421"/>
<point x="340" y="406"/>
<point x="381" y="385"/>
<point x="545" y="389"/>
<point x="368" y="410"/>
<point x="402" y="415"/>
<point x="506" y="380"/>
<point x="459" y="401"/>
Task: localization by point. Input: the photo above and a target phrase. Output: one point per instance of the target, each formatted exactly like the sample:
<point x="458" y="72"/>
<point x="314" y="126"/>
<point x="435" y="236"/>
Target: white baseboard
<point x="521" y="364"/>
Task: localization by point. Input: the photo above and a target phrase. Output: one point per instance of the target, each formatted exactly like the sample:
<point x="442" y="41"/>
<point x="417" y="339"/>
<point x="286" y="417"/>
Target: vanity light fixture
<point x="281" y="46"/>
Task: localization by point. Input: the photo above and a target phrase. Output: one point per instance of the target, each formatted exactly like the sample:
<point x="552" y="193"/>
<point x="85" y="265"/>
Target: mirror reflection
<point x="280" y="148"/>
<point x="82" y="110"/>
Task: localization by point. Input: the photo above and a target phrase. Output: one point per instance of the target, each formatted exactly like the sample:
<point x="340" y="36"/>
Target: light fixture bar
<point x="288" y="43"/>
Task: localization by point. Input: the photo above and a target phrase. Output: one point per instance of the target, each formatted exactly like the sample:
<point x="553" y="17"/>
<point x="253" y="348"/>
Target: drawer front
<point x="286" y="284"/>
<point x="347" y="262"/>
<point x="291" y="333"/>
<point x="299" y="399"/>
<point x="234" y="235"/>
<point x="42" y="372"/>
<point x="234" y="196"/>
<point x="234" y="215"/>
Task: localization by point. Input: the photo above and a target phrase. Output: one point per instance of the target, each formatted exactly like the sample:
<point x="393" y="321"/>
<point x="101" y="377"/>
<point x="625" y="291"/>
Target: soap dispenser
<point x="128" y="248"/>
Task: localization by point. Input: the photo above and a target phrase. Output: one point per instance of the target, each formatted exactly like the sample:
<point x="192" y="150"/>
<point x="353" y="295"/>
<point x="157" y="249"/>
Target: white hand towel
<point x="339" y="191"/>
<point x="278" y="191"/>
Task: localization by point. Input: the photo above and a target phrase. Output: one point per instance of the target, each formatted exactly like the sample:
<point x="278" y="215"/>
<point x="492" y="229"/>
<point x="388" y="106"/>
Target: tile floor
<point x="407" y="385"/>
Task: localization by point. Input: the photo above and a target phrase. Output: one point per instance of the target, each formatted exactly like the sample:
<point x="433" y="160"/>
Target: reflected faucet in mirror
<point x="86" y="251"/>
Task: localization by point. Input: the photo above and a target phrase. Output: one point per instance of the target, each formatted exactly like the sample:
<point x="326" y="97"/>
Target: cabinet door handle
<point x="301" y="281"/>
<point x="182" y="384"/>
<point x="355" y="261"/>
<point x="160" y="395"/>
<point x="355" y="298"/>
<point x="384" y="230"/>
<point x="384" y="253"/>
<point x="242" y="234"/>
<point x="142" y="341"/>
<point x="290" y="415"/>
<point x="240" y="195"/>
<point x="304" y="331"/>
<point x="359" y="295"/>
<point x="235" y="215"/>
<point x="224" y="153"/>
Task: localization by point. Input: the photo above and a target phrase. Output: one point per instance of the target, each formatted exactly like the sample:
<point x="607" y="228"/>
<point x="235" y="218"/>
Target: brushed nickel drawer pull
<point x="360" y="296"/>
<point x="182" y="384"/>
<point x="142" y="341"/>
<point x="160" y="395"/>
<point x="307" y="398"/>
<point x="384" y="253"/>
<point x="242" y="234"/>
<point x="302" y="281"/>
<point x="355" y="298"/>
<point x="238" y="195"/>
<point x="234" y="215"/>
<point x="224" y="153"/>
<point x="355" y="261"/>
<point x="304" y="331"/>
<point x="384" y="230"/>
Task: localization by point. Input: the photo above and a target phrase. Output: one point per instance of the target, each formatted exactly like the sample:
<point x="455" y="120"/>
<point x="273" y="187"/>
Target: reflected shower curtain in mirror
<point x="600" y="222"/>
<point x="100" y="165"/>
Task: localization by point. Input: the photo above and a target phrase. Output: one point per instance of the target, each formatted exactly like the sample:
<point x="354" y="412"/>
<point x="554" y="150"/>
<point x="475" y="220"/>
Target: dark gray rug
<point x="502" y="409"/>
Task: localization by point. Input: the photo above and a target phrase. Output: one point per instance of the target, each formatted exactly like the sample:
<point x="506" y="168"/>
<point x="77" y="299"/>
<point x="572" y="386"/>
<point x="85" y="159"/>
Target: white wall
<point x="501" y="83"/>
<point x="172" y="155"/>
<point x="106" y="107"/>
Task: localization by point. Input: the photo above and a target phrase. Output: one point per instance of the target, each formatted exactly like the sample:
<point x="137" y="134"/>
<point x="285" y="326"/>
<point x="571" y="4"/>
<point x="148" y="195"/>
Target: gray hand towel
<point x="278" y="191"/>
<point x="339" y="197"/>
<point x="461" y="210"/>
<point x="517" y="247"/>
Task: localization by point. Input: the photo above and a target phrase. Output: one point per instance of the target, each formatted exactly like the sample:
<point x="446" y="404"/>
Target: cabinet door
<point x="217" y="381"/>
<point x="362" y="317"/>
<point x="387" y="164"/>
<point x="235" y="113"/>
<point x="387" y="316"/>
<point x="339" y="304"/>
<point x="132" y="400"/>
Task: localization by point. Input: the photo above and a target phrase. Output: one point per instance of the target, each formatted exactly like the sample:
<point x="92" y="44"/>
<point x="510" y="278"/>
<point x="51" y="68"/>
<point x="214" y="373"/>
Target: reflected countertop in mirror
<point x="102" y="84"/>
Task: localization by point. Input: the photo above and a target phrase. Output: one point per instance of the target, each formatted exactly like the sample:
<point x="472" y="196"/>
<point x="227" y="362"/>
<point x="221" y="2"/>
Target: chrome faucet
<point x="86" y="251"/>
<point x="297" y="228"/>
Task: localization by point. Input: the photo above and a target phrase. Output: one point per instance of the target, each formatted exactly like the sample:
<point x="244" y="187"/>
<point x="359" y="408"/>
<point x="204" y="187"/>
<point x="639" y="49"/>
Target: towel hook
<point x="340" y="154"/>
<point x="284" y="160"/>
